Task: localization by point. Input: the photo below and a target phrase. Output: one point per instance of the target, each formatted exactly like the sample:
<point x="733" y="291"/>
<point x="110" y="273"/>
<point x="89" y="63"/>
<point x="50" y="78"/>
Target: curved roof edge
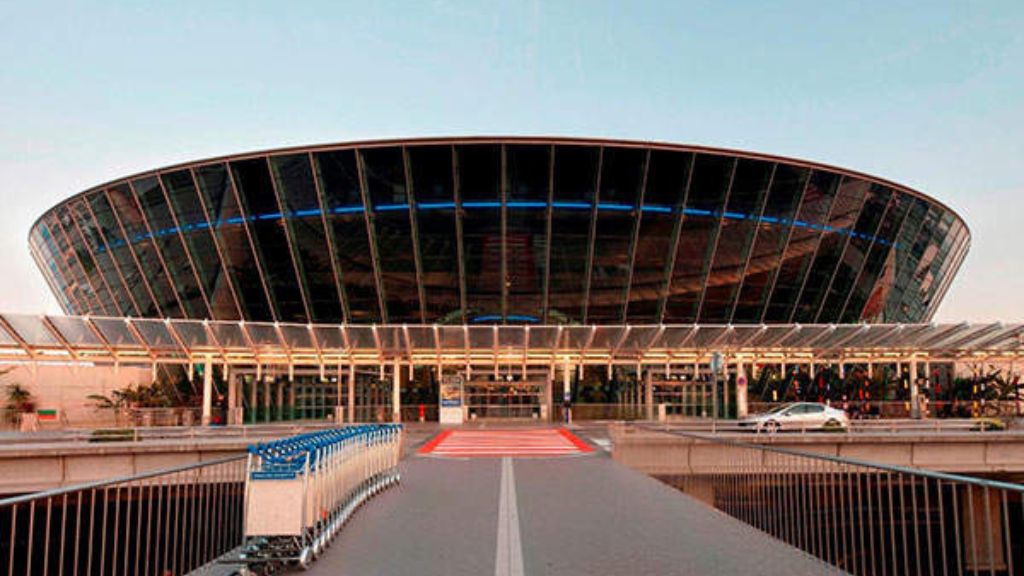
<point x="427" y="140"/>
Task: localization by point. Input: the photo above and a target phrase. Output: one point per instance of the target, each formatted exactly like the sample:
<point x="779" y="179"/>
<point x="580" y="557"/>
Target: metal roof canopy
<point x="102" y="340"/>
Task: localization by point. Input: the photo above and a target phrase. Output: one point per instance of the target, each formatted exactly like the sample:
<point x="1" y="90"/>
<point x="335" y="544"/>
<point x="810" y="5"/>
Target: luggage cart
<point x="301" y="490"/>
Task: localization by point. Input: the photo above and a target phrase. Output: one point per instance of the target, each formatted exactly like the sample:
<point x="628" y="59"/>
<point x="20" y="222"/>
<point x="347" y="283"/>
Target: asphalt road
<point x="567" y="516"/>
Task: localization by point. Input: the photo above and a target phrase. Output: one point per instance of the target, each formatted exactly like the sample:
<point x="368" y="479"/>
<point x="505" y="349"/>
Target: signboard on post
<point x="451" y="398"/>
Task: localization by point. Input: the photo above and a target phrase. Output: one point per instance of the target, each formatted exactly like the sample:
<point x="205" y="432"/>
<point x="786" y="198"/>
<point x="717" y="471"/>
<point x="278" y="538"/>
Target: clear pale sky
<point x="928" y="94"/>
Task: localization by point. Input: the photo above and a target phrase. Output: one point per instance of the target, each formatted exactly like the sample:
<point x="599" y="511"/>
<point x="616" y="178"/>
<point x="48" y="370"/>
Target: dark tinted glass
<point x="267" y="227"/>
<point x="96" y="244"/>
<point x="787" y="188"/>
<point x="140" y="241"/>
<point x="572" y="211"/>
<point x="223" y="214"/>
<point x="526" y="221"/>
<point x="667" y="178"/>
<point x="304" y="218"/>
<point x="705" y="200"/>
<point x="479" y="172"/>
<point x="739" y="222"/>
<point x="431" y="169"/>
<point x="892" y="287"/>
<point x="385" y="178"/>
<point x="479" y="191"/>
<point x="876" y="207"/>
<point x="114" y="239"/>
<point x="805" y="233"/>
<point x="109" y="301"/>
<point x="618" y="208"/>
<point x="73" y="280"/>
<point x="38" y="240"/>
<point x="845" y="212"/>
<point x="168" y="241"/>
<point x="201" y="243"/>
<point x="339" y="177"/>
<point x="872" y="282"/>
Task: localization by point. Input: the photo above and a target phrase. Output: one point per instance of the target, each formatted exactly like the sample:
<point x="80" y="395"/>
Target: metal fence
<point x="163" y="522"/>
<point x="863" y="517"/>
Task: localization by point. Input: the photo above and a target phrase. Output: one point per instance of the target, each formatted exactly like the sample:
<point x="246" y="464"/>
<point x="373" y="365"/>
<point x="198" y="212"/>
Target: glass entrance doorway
<point x="516" y="397"/>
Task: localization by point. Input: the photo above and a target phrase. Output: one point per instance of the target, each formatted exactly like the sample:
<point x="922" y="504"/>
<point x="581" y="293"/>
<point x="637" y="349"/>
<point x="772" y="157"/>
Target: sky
<point x="928" y="94"/>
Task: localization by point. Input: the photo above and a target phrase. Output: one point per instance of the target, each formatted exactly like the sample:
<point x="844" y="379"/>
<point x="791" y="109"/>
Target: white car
<point x="798" y="416"/>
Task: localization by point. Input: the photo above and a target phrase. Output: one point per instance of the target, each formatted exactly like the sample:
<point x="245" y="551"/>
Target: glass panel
<point x="305" y="222"/>
<point x="155" y="333"/>
<point x="422" y="337"/>
<point x="228" y="335"/>
<point x="164" y="229"/>
<point x="391" y="339"/>
<point x="89" y="236"/>
<point x="861" y="238"/>
<point x="617" y="214"/>
<point x="225" y="216"/>
<point x="256" y="193"/>
<point x="739" y="222"/>
<point x="74" y="283"/>
<point x="361" y="338"/>
<point x="639" y="338"/>
<point x="385" y="180"/>
<point x="845" y="211"/>
<point x="116" y="332"/>
<point x="773" y="228"/>
<point x="605" y="338"/>
<point x="879" y="260"/>
<point x="702" y="215"/>
<point x="328" y="338"/>
<point x="511" y="336"/>
<point x="663" y="199"/>
<point x="526" y="232"/>
<point x="192" y="334"/>
<point x="5" y="338"/>
<point x="339" y="180"/>
<point x="42" y="242"/>
<point x="543" y="338"/>
<point x="297" y="337"/>
<point x="81" y="263"/>
<point x="200" y="242"/>
<point x="75" y="331"/>
<point x="431" y="169"/>
<point x="479" y="170"/>
<point x="140" y="241"/>
<point x="110" y="299"/>
<point x="481" y="337"/>
<point x="575" y="180"/>
<point x="576" y="337"/>
<point x="31" y="329"/>
<point x="262" y="334"/>
<point x="113" y="239"/>
<point x="885" y="302"/>
<point x="453" y="337"/>
<point x="803" y="238"/>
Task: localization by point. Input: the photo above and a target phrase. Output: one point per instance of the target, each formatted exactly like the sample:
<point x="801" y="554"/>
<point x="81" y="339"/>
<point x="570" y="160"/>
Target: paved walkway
<point x="583" y="514"/>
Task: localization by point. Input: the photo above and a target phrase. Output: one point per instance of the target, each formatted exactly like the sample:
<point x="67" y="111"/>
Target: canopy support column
<point x="207" y="391"/>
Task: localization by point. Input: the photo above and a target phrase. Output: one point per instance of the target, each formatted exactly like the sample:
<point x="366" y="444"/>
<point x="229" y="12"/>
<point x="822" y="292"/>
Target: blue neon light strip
<point x="484" y="205"/>
<point x="510" y="318"/>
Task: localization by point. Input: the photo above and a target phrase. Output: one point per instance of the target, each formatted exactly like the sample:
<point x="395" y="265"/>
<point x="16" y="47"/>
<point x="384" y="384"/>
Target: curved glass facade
<point x="509" y="230"/>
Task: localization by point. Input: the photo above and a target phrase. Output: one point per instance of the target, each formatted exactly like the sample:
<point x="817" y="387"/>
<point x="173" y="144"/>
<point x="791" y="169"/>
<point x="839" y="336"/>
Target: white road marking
<point x="604" y="443"/>
<point x="508" y="559"/>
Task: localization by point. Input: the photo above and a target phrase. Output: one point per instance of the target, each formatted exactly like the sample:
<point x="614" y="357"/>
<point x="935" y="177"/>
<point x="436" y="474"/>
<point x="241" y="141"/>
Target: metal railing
<point x="164" y="522"/>
<point x="863" y="517"/>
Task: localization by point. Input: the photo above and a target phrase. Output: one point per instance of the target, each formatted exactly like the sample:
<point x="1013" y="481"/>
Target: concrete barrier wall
<point x="655" y="452"/>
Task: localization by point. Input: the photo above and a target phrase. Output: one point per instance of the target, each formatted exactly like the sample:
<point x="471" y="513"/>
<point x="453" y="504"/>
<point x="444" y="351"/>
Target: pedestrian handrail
<point x="301" y="490"/>
<point x="168" y="521"/>
<point x="864" y="517"/>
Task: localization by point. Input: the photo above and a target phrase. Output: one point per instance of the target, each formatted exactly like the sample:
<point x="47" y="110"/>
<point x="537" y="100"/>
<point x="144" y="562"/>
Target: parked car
<point x="798" y="416"/>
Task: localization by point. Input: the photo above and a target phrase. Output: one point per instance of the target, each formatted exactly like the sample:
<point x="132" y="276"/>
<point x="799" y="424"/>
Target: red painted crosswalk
<point x="547" y="442"/>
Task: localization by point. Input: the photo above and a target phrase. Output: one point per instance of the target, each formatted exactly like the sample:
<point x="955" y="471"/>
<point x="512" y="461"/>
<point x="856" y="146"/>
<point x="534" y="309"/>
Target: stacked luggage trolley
<point x="301" y="490"/>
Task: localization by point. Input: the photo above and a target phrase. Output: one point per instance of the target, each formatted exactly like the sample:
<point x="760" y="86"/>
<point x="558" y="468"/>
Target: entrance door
<point x="505" y="399"/>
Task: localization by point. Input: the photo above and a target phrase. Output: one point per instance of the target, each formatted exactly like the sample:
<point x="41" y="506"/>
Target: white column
<point x="742" y="402"/>
<point x="648" y="396"/>
<point x="266" y="400"/>
<point x="915" y="408"/>
<point x="566" y="386"/>
<point x="351" y="393"/>
<point x="207" y="391"/>
<point x="396" y="394"/>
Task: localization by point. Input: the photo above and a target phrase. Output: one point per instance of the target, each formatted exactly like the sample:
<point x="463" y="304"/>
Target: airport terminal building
<point x="310" y="279"/>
